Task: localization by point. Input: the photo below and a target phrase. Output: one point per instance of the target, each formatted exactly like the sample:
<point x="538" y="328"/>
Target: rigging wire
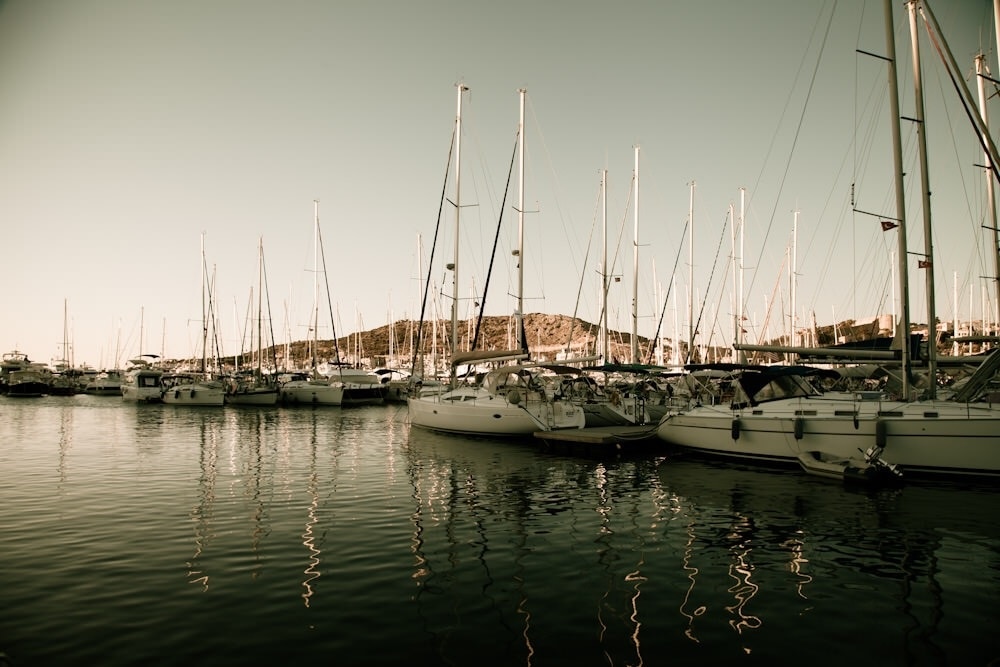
<point x="718" y="251"/>
<point x="666" y="299"/>
<point x="579" y="289"/>
<point x="496" y="240"/>
<point x="418" y="347"/>
<point x="795" y="140"/>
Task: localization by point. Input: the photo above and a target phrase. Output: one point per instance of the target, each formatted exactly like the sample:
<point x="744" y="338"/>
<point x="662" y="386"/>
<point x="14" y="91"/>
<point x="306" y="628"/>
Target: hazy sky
<point x="130" y="128"/>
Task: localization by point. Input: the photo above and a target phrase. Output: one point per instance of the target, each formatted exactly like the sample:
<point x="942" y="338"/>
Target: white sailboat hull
<point x="311" y="392"/>
<point x="481" y="413"/>
<point x="195" y="395"/>
<point x="927" y="437"/>
<point x="253" y="397"/>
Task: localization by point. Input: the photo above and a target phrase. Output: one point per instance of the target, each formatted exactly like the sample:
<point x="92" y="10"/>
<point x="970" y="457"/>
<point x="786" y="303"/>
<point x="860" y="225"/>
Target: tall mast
<point x="315" y="322"/>
<point x="635" y="267"/>
<point x="736" y="286"/>
<point x="458" y="212"/>
<point x="65" y="356"/>
<point x="990" y="191"/>
<point x="604" y="268"/>
<point x="897" y="156"/>
<point x="690" y="350"/>
<point x="925" y="198"/>
<point x="260" y="303"/>
<point x="793" y="276"/>
<point x="740" y="317"/>
<point x="521" y="344"/>
<point x="204" y="310"/>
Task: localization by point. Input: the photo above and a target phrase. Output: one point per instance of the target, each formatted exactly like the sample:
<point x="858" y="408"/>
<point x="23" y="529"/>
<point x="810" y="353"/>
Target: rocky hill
<point x="547" y="335"/>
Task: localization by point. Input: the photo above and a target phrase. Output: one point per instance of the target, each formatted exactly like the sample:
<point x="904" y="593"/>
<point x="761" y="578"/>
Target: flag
<point x="888" y="224"/>
<point x="923" y="263"/>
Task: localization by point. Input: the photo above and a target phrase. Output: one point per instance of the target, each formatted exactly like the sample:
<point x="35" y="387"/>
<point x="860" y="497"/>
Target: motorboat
<point x="192" y="389"/>
<point x="143" y="383"/>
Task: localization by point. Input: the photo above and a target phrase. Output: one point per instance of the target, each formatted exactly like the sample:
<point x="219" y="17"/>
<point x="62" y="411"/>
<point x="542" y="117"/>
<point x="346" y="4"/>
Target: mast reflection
<point x="312" y="570"/>
<point x="202" y="513"/>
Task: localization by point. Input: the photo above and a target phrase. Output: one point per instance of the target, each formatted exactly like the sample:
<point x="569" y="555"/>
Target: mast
<point x="420" y="291"/>
<point x="315" y="321"/>
<point x="521" y="344"/>
<point x="458" y="212"/>
<point x="635" y="267"/>
<point x="925" y="198"/>
<point x="740" y="305"/>
<point x="690" y="350"/>
<point x="897" y="155"/>
<point x="990" y="191"/>
<point x="260" y="305"/>
<point x="675" y="353"/>
<point x="735" y="270"/>
<point x="989" y="147"/>
<point x="204" y="310"/>
<point x="604" y="268"/>
<point x="793" y="280"/>
<point x="65" y="355"/>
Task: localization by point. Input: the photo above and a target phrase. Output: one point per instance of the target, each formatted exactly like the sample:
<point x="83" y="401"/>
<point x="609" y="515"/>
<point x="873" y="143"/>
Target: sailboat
<point x="512" y="399"/>
<point x="314" y="388"/>
<point x="197" y="389"/>
<point x="254" y="387"/>
<point x="774" y="414"/>
<point x="64" y="379"/>
<point x="143" y="381"/>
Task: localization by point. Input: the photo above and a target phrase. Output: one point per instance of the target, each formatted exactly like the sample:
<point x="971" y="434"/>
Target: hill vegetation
<point x="547" y="336"/>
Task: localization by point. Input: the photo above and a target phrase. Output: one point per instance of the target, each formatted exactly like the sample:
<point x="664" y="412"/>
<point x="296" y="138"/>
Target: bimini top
<point x="759" y="384"/>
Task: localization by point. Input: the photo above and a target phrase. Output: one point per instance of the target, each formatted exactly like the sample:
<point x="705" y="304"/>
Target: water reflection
<point x="744" y="549"/>
<point x="463" y="493"/>
<point x="65" y="441"/>
<point x="202" y="513"/>
<point x="329" y="530"/>
<point x="521" y="503"/>
<point x="765" y="523"/>
<point x="312" y="570"/>
<point x="250" y="428"/>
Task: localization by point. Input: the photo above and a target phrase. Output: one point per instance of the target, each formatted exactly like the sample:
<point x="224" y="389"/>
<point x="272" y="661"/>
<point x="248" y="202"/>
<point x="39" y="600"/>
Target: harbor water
<point x="163" y="535"/>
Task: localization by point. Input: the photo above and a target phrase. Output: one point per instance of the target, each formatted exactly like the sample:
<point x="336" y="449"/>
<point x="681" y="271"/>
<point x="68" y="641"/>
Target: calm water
<point x="171" y="535"/>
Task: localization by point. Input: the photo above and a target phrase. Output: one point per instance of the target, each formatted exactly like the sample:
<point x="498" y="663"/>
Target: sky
<point x="145" y="145"/>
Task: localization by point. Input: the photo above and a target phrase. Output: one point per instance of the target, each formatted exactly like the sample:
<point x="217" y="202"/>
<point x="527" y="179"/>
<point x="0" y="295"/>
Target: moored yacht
<point x="510" y="400"/>
<point x="306" y="389"/>
<point x="143" y="383"/>
<point x="106" y="383"/>
<point x="31" y="382"/>
<point x="192" y="389"/>
<point x="774" y="414"/>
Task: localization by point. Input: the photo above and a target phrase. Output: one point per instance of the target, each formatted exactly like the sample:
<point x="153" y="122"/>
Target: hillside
<point x="546" y="334"/>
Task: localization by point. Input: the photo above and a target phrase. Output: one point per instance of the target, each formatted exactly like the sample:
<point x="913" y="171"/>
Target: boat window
<point x="783" y="386"/>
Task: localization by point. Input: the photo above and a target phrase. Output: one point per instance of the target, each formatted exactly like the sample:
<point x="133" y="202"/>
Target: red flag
<point x="888" y="224"/>
<point x="923" y="264"/>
